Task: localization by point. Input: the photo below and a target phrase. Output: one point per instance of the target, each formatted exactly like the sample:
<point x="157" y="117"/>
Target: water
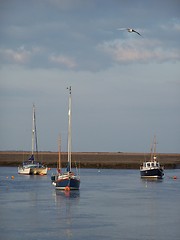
<point x="111" y="204"/>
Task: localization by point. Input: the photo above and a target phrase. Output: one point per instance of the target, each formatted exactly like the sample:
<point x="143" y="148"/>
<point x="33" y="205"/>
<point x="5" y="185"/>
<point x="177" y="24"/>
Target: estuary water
<point x="111" y="204"/>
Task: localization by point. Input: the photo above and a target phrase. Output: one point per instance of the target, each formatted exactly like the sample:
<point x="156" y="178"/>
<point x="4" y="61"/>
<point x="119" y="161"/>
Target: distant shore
<point x="116" y="160"/>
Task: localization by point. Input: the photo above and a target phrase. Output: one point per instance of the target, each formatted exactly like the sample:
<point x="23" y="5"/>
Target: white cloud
<point x="19" y="55"/>
<point x="15" y="56"/>
<point x="23" y="56"/>
<point x="143" y="51"/>
<point x="63" y="60"/>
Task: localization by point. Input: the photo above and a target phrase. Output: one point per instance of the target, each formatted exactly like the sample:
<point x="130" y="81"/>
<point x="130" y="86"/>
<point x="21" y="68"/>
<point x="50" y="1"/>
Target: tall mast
<point x="154" y="146"/>
<point x="153" y="149"/>
<point x="59" y="158"/>
<point x="33" y="129"/>
<point x="34" y="133"/>
<point x="69" y="131"/>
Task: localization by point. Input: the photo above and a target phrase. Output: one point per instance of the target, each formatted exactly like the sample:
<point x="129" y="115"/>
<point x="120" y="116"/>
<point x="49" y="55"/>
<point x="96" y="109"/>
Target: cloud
<point x="19" y="55"/>
<point x="63" y="61"/>
<point x="172" y="24"/>
<point x="141" y="51"/>
<point x="34" y="57"/>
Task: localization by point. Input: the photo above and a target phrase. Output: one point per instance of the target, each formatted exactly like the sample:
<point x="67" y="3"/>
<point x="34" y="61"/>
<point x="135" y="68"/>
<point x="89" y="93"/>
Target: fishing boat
<point x="68" y="180"/>
<point x="31" y="166"/>
<point x="152" y="169"/>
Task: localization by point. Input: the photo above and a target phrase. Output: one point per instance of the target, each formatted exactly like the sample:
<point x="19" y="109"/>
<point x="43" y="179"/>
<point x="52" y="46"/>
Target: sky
<point x="125" y="87"/>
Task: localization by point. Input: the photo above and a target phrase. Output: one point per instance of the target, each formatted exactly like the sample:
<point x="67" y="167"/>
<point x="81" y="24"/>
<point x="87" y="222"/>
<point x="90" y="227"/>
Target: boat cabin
<point x="149" y="165"/>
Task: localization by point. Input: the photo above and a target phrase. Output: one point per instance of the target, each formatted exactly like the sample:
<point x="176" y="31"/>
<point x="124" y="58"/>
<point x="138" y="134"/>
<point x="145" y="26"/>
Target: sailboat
<point x="31" y="166"/>
<point x="68" y="180"/>
<point x="152" y="168"/>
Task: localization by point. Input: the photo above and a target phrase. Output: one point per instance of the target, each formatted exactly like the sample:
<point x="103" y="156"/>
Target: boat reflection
<point x="67" y="208"/>
<point x="67" y="194"/>
<point x="148" y="182"/>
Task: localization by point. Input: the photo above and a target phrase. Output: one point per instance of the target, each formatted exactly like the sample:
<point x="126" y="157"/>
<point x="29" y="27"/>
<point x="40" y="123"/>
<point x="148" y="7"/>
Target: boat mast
<point x="153" y="149"/>
<point x="59" y="158"/>
<point x="34" y="132"/>
<point x="33" y="129"/>
<point x="69" y="132"/>
<point x="154" y="153"/>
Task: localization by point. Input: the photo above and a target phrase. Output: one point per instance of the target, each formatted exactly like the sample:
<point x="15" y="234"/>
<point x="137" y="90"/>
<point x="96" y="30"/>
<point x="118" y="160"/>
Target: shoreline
<point x="111" y="160"/>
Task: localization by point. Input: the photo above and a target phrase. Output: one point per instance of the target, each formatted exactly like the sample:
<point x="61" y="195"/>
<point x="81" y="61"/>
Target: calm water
<point x="112" y="204"/>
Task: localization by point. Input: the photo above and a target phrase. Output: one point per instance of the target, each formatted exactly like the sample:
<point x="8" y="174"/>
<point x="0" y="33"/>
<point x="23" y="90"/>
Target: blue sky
<point x="125" y="88"/>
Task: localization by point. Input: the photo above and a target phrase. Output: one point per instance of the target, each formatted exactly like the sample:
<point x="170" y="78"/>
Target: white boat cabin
<point x="151" y="165"/>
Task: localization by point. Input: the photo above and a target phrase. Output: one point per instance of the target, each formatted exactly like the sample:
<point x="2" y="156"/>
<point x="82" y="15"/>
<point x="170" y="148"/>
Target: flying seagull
<point x="130" y="30"/>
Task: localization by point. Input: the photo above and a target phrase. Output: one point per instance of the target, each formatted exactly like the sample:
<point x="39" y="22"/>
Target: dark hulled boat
<point x="152" y="168"/>
<point x="67" y="180"/>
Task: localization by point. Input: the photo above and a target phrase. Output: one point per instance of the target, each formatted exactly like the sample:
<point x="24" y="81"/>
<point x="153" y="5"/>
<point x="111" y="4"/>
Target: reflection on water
<point x="66" y="199"/>
<point x="148" y="182"/>
<point x="67" y="194"/>
<point x="67" y="204"/>
<point x="112" y="204"/>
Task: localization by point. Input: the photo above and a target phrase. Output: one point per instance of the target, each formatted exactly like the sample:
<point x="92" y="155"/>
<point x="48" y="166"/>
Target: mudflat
<point x="117" y="160"/>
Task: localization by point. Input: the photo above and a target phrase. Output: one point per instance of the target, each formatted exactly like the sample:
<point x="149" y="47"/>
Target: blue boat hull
<point x="72" y="184"/>
<point x="152" y="173"/>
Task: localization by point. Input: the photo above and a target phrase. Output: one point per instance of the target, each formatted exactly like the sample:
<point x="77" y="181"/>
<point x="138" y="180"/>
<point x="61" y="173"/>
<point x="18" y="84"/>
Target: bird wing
<point x="121" y="29"/>
<point x="136" y="32"/>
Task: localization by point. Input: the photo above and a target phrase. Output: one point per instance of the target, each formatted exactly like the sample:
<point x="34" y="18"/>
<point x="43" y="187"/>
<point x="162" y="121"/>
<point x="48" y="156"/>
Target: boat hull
<point x="24" y="171"/>
<point x="38" y="171"/>
<point x="32" y="170"/>
<point x="152" y="173"/>
<point x="68" y="183"/>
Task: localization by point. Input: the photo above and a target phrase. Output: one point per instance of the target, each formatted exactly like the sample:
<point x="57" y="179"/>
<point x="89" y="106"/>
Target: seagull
<point x="130" y="30"/>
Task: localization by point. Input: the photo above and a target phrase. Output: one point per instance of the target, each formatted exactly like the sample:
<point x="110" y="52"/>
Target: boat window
<point x="152" y="164"/>
<point x="148" y="164"/>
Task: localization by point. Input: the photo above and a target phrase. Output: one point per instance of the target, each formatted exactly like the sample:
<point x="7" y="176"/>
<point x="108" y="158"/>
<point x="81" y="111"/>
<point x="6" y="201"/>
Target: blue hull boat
<point x="67" y="182"/>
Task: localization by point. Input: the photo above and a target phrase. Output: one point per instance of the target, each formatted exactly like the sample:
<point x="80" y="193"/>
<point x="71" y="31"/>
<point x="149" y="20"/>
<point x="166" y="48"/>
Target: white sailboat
<point x="32" y="167"/>
<point x="68" y="180"/>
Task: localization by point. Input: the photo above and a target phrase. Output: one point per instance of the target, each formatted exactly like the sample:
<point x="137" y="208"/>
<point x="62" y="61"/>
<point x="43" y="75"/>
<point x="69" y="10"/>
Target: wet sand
<point x="119" y="160"/>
